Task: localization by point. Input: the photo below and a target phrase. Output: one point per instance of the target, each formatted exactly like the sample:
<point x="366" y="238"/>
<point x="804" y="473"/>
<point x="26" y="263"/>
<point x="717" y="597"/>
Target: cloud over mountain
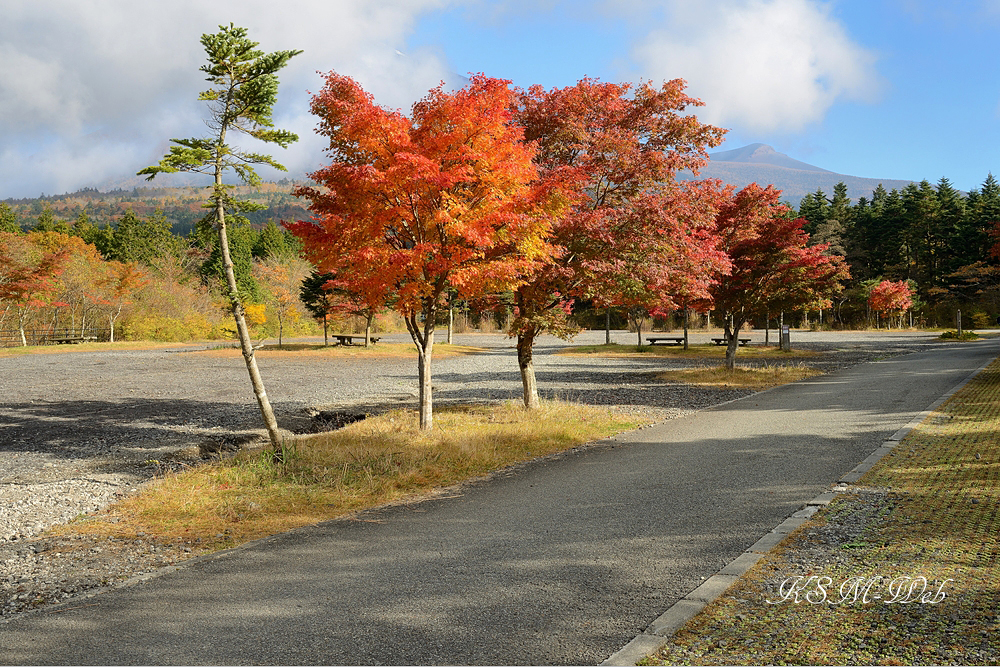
<point x="765" y="65"/>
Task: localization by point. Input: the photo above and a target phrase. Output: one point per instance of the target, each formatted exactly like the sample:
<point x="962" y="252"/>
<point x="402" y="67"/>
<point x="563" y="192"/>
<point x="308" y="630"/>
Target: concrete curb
<point x="673" y="619"/>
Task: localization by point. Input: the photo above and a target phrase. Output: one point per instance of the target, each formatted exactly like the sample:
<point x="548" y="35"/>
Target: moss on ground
<point x="938" y="520"/>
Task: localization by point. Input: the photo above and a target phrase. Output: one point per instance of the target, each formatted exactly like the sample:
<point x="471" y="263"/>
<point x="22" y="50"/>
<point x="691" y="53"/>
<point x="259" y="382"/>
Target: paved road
<point x="563" y="562"/>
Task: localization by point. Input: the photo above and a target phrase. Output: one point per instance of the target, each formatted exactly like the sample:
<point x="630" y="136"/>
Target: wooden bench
<point x="60" y="340"/>
<point x="348" y="339"/>
<point x="725" y="341"/>
<point x="665" y="340"/>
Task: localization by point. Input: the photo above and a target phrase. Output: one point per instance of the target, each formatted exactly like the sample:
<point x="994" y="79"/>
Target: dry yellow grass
<point x="89" y="347"/>
<point x="742" y="377"/>
<point x="380" y="350"/>
<point x="368" y="463"/>
<point x="940" y="521"/>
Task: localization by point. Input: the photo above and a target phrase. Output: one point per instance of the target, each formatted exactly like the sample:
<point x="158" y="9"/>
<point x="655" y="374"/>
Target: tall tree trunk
<point x="734" y="341"/>
<point x="687" y="316"/>
<point x="326" y="331"/>
<point x="368" y="328"/>
<point x="451" y="322"/>
<point x="607" y="325"/>
<point x="525" y="345"/>
<point x="235" y="304"/>
<point x="424" y="340"/>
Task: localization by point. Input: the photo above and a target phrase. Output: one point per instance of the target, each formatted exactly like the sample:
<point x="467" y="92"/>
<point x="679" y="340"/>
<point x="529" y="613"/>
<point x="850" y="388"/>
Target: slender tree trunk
<point x="451" y="322"/>
<point x="734" y="341"/>
<point x="607" y="325"/>
<point x="424" y="340"/>
<point x="326" y="331"/>
<point x="368" y="328"/>
<point x="235" y="304"/>
<point x="638" y="331"/>
<point x="767" y="330"/>
<point x="525" y="345"/>
<point x="687" y="316"/>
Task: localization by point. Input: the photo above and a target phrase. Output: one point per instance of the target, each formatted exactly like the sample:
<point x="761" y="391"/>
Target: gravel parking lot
<point x="80" y="429"/>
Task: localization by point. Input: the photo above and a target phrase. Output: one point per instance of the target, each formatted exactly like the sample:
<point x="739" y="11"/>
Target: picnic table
<point x="725" y="341"/>
<point x="70" y="339"/>
<point x="348" y="339"/>
<point x="665" y="340"/>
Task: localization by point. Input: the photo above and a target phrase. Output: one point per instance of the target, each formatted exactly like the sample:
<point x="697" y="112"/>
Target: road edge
<point x="659" y="632"/>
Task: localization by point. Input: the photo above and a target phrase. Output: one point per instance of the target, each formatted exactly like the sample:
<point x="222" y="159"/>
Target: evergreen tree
<point x="242" y="240"/>
<point x="318" y="301"/>
<point x="815" y="208"/>
<point x="8" y="220"/>
<point x="47" y="222"/>
<point x="270" y="243"/>
<point x="242" y="100"/>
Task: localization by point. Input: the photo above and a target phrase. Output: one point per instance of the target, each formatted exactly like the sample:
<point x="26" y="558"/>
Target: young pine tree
<point x="242" y="97"/>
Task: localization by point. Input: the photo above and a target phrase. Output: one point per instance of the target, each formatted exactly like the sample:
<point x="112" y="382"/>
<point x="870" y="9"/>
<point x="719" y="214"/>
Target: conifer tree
<point x="242" y="99"/>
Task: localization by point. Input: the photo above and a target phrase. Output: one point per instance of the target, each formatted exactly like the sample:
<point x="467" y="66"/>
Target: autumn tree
<point x="772" y="266"/>
<point x="242" y="98"/>
<point x="280" y="280"/>
<point x="612" y="151"/>
<point x="115" y="289"/>
<point x="413" y="206"/>
<point x="891" y="297"/>
<point x="27" y="275"/>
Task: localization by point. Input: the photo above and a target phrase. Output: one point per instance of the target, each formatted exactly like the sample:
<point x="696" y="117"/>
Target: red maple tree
<point x="634" y="235"/>
<point x="414" y="206"/>
<point x="891" y="297"/>
<point x="772" y="266"/>
<point x="27" y="275"/>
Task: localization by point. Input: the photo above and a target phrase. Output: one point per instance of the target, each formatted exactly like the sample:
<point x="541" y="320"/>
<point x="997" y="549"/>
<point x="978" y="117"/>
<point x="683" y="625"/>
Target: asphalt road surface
<point x="561" y="562"/>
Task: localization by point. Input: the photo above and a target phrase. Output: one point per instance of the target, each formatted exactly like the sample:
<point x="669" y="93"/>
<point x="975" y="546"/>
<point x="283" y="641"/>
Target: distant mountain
<point x="761" y="164"/>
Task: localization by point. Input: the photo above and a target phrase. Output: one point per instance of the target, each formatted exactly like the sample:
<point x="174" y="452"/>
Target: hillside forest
<point x="142" y="264"/>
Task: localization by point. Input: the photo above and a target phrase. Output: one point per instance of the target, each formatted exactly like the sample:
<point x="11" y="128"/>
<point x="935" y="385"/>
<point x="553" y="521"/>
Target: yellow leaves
<point x="255" y="314"/>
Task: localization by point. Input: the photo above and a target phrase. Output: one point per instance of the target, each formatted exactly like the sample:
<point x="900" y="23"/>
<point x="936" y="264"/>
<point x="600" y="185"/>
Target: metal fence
<point x="12" y="338"/>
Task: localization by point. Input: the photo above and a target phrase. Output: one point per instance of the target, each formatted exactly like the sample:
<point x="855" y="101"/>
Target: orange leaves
<point x="414" y="205"/>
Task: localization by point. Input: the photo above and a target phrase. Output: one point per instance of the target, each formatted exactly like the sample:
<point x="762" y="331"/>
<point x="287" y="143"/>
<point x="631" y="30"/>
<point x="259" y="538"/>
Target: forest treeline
<point x="141" y="265"/>
<point x="934" y="236"/>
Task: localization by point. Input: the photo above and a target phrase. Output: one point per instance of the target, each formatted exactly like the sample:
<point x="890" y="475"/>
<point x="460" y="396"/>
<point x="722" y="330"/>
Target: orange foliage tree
<point x="116" y="287"/>
<point x="27" y="274"/>
<point x="891" y="297"/>
<point x="415" y="206"/>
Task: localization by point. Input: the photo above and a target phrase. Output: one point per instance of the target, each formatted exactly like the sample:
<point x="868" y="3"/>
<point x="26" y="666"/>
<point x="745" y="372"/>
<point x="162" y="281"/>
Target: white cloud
<point x="92" y="90"/>
<point x="763" y="65"/>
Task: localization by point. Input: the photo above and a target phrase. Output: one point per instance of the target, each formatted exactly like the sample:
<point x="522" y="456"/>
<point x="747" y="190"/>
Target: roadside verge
<point x="896" y="564"/>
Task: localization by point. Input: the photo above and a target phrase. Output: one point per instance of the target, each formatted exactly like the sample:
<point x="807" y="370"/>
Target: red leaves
<point x="27" y="273"/>
<point x="891" y="296"/>
<point x="772" y="267"/>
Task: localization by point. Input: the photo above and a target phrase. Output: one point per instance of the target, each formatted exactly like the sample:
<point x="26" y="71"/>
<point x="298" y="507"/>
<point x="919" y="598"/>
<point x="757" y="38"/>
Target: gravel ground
<point x="81" y="429"/>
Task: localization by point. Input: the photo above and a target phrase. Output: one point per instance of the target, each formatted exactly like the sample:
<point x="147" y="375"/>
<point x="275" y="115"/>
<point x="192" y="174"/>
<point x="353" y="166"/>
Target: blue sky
<point x="92" y="90"/>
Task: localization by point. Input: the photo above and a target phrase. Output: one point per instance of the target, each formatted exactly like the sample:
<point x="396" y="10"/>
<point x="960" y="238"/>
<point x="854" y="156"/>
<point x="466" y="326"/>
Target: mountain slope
<point x="760" y="163"/>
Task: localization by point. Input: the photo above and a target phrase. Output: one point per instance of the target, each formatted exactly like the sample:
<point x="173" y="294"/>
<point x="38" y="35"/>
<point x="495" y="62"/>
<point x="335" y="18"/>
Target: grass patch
<point x="700" y="351"/>
<point x="88" y="347"/>
<point x="954" y="335"/>
<point x="940" y="520"/>
<point x="380" y="350"/>
<point x="742" y="377"/>
<point x="368" y="463"/>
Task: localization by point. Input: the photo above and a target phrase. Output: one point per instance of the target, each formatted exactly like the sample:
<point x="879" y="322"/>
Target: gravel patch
<point x="80" y="430"/>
